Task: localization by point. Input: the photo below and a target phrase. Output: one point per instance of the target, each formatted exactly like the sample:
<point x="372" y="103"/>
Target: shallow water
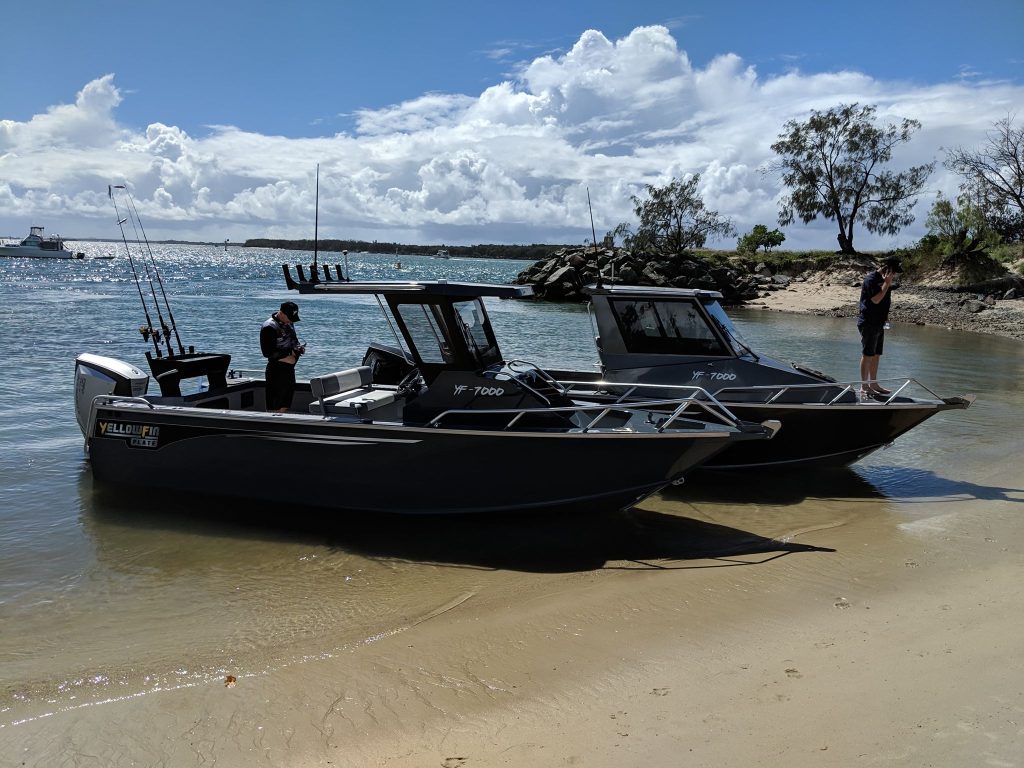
<point x="108" y="596"/>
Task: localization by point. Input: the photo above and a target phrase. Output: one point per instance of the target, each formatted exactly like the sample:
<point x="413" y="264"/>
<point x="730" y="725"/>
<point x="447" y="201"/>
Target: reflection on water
<point x="104" y="593"/>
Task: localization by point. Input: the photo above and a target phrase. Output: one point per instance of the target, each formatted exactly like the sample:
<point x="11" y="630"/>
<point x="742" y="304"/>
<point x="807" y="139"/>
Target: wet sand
<point x="812" y="624"/>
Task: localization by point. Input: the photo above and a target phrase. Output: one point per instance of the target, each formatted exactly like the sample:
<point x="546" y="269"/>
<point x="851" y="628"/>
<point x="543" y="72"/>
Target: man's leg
<point x="865" y="372"/>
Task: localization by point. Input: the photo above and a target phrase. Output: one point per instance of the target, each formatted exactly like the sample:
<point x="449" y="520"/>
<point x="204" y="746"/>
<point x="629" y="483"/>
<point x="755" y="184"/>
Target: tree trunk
<point x="845" y="243"/>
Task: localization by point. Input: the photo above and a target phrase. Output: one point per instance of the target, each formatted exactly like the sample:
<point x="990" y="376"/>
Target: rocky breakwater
<point x="562" y="276"/>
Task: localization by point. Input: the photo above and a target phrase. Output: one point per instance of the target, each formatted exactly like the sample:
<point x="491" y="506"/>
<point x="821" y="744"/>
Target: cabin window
<point x="477" y="331"/>
<point x="665" y="328"/>
<point x="427" y="332"/>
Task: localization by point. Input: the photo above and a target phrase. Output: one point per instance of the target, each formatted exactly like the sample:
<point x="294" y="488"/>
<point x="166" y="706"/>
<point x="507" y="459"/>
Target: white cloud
<point x="511" y="164"/>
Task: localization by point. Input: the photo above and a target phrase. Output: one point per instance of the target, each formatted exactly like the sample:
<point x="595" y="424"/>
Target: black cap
<point x="291" y="311"/>
<point x="893" y="264"/>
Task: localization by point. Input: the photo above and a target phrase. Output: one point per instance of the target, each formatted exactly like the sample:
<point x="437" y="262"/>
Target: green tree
<point x="831" y="164"/>
<point x="959" y="229"/>
<point x="994" y="177"/>
<point x="760" y="237"/>
<point x="673" y="219"/>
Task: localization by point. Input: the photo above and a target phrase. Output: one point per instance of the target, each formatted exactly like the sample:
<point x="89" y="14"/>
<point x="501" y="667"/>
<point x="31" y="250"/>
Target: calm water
<point x="110" y="596"/>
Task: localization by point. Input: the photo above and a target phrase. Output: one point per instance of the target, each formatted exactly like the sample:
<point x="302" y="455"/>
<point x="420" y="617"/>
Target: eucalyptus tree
<point x="832" y="164"/>
<point x="673" y="219"/>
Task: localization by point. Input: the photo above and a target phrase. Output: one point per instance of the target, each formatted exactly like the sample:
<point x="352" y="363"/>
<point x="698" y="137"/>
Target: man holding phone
<point x="282" y="349"/>
<point x="872" y="319"/>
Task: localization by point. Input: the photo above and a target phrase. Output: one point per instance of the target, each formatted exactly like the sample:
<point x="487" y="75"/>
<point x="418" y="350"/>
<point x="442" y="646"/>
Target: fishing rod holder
<point x="170" y="371"/>
<point x="304" y="285"/>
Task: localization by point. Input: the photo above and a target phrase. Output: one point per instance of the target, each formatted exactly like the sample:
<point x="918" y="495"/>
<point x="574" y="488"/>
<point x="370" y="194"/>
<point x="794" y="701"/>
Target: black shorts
<point x="871" y="339"/>
<point x="280" y="385"/>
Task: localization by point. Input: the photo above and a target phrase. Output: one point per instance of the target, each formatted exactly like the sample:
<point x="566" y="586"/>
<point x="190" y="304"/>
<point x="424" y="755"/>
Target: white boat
<point x="36" y="246"/>
<point x="442" y="253"/>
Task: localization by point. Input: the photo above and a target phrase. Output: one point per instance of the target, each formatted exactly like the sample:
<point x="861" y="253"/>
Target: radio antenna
<point x="316" y="219"/>
<point x="593" y="233"/>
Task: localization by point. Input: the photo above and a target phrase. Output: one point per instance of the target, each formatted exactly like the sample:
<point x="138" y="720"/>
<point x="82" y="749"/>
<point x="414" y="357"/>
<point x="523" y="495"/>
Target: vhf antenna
<point x="316" y="220"/>
<point x="148" y="331"/>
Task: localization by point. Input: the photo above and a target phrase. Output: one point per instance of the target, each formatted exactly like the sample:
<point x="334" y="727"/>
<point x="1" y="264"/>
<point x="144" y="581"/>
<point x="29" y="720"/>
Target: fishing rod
<point x="147" y="331"/>
<point x="136" y="224"/>
<point x="160" y="282"/>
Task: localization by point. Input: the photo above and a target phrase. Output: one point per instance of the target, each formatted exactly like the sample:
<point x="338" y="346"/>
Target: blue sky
<point x="425" y="115"/>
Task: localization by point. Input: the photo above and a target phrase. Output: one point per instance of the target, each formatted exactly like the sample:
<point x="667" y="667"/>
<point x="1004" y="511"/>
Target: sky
<point x="466" y="122"/>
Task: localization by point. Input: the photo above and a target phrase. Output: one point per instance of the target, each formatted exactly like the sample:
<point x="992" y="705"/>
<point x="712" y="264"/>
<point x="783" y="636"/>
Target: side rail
<point x="107" y="400"/>
<point x="681" y="408"/>
<point x="693" y="395"/>
<point x="773" y="392"/>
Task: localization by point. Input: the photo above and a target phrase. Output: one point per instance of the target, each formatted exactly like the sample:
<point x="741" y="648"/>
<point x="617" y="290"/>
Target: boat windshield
<point x="426" y="330"/>
<point x="666" y="327"/>
<point x="736" y="340"/>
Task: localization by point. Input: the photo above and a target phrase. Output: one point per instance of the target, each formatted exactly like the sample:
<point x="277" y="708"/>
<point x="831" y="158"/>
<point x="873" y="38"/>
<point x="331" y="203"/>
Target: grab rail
<point x="900" y="384"/>
<point x="697" y="392"/>
<point x="771" y="392"/>
<point x="721" y="414"/>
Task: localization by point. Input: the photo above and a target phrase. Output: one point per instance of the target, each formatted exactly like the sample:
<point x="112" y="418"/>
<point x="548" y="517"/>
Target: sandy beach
<point x="822" y="294"/>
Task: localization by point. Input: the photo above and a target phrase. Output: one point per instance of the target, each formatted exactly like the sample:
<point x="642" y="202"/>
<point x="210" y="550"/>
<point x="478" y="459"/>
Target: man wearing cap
<point x="282" y="349"/>
<point x="872" y="317"/>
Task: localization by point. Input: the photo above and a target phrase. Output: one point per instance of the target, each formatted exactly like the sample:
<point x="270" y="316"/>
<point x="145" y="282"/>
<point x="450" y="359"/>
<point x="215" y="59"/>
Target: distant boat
<point x="36" y="246"/>
<point x="442" y="253"/>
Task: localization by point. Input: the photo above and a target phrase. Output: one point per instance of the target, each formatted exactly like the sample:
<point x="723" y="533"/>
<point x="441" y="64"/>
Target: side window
<point x="426" y="327"/>
<point x="475" y="328"/>
<point x="665" y="328"/>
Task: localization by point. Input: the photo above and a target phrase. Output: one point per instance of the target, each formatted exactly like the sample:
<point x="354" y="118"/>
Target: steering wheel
<point x="411" y="383"/>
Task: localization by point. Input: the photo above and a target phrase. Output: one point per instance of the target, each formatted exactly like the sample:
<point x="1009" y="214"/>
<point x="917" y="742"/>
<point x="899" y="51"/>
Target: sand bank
<point x="821" y="295"/>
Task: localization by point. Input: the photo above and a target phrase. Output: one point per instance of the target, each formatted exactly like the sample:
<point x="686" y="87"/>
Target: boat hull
<point x="824" y="436"/>
<point x="19" y="251"/>
<point x="381" y="468"/>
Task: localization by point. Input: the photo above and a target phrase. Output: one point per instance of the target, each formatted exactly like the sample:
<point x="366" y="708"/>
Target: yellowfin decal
<point x="138" y="435"/>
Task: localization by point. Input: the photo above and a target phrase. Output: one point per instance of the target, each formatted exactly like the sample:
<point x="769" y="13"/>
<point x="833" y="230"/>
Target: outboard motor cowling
<point x="98" y="375"/>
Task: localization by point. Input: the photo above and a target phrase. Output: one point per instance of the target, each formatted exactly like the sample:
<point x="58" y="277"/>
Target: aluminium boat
<point x="651" y="339"/>
<point x="462" y="430"/>
<point x="38" y="246"/>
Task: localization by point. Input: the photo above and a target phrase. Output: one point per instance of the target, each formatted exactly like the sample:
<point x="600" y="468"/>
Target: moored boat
<point x="38" y="246"/>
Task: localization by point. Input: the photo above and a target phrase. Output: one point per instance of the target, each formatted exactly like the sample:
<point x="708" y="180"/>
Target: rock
<point x="1010" y="294"/>
<point x="975" y="305"/>
<point x="782" y="280"/>
<point x="763" y="269"/>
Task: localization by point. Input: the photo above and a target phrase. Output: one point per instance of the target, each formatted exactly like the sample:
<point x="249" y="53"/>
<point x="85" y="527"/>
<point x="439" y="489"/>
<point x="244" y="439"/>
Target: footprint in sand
<point x="793" y="672"/>
<point x="660" y="691"/>
<point x="453" y="762"/>
<point x="842" y="602"/>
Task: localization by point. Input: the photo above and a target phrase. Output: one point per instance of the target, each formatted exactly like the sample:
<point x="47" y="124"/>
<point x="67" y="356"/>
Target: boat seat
<point x="348" y="392"/>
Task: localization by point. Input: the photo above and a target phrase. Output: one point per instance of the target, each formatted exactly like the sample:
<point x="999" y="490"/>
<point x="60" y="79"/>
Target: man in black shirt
<point x="282" y="349"/>
<point x="872" y="317"/>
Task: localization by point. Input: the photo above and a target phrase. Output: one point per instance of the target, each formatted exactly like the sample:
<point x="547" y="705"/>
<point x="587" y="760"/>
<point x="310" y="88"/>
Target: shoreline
<point x="917" y="305"/>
